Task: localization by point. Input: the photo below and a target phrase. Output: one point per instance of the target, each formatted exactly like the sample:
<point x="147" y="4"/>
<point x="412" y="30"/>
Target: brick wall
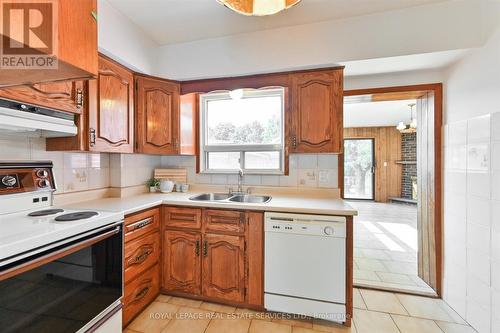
<point x="408" y="153"/>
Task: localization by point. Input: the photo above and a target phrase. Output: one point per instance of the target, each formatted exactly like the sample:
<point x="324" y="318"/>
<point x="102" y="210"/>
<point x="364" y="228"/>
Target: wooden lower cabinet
<point x="141" y="254"/>
<point x="140" y="292"/>
<point x="224" y="267"/>
<point x="141" y="261"/>
<point x="181" y="261"/>
<point x="219" y="259"/>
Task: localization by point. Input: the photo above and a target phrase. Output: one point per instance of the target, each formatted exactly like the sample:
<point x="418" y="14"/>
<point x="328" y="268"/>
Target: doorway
<point x="359" y="166"/>
<point x="397" y="237"/>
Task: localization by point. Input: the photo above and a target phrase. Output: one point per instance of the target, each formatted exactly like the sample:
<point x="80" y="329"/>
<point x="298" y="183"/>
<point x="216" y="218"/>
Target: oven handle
<point x="29" y="265"/>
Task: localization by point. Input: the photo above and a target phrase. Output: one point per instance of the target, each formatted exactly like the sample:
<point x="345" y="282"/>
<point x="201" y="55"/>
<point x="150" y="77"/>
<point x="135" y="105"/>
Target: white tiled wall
<point x="73" y="171"/>
<point x="471" y="220"/>
<point x="306" y="170"/>
<point x="132" y="169"/>
<point x="86" y="171"/>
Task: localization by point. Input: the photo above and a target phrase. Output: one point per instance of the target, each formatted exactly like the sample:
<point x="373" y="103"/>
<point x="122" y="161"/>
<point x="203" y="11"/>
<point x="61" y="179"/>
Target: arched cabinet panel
<point x="111" y="109"/>
<point x="317" y="107"/>
<point x="157" y="124"/>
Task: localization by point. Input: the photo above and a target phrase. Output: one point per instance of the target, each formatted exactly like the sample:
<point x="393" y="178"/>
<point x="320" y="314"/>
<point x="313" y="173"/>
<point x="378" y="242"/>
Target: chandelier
<point x="258" y="7"/>
<point x="411" y="127"/>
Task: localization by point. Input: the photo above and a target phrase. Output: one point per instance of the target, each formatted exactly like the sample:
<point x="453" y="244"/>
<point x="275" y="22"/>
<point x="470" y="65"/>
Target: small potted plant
<point x="153" y="184"/>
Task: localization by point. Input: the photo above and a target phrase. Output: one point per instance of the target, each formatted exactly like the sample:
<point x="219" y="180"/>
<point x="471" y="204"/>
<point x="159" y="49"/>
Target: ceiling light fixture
<point x="412" y="126"/>
<point x="258" y="7"/>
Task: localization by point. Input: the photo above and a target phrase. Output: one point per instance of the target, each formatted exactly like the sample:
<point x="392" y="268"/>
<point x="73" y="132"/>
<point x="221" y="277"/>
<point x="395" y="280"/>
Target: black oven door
<point x="63" y="289"/>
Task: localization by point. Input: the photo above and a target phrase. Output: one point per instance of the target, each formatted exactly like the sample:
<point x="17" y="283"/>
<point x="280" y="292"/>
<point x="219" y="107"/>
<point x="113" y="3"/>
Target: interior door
<point x="429" y="246"/>
<point x="359" y="169"/>
<point x="111" y="109"/>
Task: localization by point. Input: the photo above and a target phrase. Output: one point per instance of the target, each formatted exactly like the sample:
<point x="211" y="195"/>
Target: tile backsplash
<point x="80" y="171"/>
<point x="73" y="171"/>
<point x="306" y="170"/>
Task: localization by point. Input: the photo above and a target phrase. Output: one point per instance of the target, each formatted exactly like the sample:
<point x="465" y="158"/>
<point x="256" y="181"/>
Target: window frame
<point x="205" y="149"/>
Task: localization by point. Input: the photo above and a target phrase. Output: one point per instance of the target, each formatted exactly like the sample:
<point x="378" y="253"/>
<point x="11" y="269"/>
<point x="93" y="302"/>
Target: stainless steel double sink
<point x="227" y="197"/>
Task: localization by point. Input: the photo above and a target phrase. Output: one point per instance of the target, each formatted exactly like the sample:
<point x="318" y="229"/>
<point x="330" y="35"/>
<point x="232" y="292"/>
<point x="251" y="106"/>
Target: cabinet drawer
<point x="224" y="220"/>
<point x="140" y="292"/>
<point x="141" y="223"/>
<point x="140" y="254"/>
<point x="183" y="217"/>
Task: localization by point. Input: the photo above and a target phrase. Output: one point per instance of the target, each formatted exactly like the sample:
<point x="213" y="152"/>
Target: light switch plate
<point x="308" y="177"/>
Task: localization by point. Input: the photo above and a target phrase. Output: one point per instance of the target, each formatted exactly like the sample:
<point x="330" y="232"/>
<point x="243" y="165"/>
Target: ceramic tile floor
<point x="385" y="247"/>
<point x="374" y="312"/>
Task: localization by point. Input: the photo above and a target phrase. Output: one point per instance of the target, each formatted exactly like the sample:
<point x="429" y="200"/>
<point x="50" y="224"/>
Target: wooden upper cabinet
<point x="75" y="45"/>
<point x="62" y="96"/>
<point x="189" y="106"/>
<point x="182" y="261"/>
<point x="316" y="113"/>
<point x="157" y="116"/>
<point x="111" y="109"/>
<point x="224" y="267"/>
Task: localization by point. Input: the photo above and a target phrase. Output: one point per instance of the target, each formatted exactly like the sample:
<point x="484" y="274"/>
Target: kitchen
<point x="165" y="176"/>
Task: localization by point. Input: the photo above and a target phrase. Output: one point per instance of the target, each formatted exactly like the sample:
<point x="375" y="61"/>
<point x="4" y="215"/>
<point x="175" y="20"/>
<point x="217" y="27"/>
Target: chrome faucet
<point x="240" y="180"/>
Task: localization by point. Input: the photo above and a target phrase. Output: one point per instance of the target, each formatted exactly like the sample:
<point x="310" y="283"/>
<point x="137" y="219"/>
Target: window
<point x="242" y="129"/>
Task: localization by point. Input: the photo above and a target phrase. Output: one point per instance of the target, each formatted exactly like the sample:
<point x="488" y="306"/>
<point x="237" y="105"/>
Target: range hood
<point x="26" y="120"/>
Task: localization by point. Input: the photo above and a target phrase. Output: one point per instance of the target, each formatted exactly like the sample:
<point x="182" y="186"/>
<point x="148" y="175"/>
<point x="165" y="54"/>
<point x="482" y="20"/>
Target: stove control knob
<point x="328" y="231"/>
<point x="9" y="180"/>
<point x="42" y="173"/>
<point x="42" y="183"/>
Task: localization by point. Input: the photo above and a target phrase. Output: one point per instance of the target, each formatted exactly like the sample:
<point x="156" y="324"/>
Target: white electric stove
<point x="60" y="269"/>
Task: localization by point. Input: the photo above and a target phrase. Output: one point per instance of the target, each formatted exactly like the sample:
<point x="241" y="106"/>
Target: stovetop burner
<point x="75" y="216"/>
<point x="46" y="212"/>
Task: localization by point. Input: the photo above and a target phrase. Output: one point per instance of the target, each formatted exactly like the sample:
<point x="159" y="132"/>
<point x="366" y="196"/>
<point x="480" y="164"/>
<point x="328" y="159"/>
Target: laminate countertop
<point x="289" y="203"/>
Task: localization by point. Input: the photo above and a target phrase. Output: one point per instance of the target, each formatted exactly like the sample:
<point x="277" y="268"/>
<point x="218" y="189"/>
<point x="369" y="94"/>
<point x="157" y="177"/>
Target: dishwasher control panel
<point x="313" y="225"/>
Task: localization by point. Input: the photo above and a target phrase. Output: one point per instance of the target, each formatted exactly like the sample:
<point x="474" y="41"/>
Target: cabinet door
<point x="224" y="267"/>
<point x="62" y="96"/>
<point x="111" y="109"/>
<point x="74" y="42"/>
<point x="317" y="107"/>
<point x="157" y="129"/>
<point x="181" y="262"/>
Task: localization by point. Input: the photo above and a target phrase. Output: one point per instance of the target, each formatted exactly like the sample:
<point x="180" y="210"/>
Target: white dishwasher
<point x="305" y="265"/>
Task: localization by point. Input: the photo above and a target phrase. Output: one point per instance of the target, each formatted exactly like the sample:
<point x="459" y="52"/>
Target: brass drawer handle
<point x="141" y="224"/>
<point x="205" y="248"/>
<point x="79" y="98"/>
<point x="197" y="249"/>
<point x="142" y="256"/>
<point x="92" y="137"/>
<point x="141" y="294"/>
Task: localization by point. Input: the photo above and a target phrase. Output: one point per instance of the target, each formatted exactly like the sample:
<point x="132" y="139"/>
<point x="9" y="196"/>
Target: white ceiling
<point x="372" y="114"/>
<point x="405" y="63"/>
<point x="176" y="21"/>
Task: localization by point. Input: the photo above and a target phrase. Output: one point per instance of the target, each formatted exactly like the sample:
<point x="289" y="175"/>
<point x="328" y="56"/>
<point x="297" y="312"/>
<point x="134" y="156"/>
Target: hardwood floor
<point x="385" y="247"/>
<point x="375" y="311"/>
